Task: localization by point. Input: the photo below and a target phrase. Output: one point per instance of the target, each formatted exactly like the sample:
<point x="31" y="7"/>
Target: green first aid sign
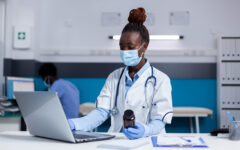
<point x="21" y="35"/>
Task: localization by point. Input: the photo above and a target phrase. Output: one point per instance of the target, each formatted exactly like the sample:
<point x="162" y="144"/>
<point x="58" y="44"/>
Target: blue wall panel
<point x="186" y="92"/>
<point x="89" y="88"/>
<point x="195" y="93"/>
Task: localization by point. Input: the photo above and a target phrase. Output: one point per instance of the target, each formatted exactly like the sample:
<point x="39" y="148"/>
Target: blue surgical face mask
<point x="130" y="57"/>
<point x="46" y="83"/>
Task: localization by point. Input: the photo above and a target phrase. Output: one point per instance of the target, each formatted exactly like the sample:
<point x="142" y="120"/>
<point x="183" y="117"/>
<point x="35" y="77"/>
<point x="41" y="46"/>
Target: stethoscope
<point x="115" y="110"/>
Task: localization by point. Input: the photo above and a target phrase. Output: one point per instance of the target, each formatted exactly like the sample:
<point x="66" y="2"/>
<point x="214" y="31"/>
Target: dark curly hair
<point x="136" y="19"/>
<point x="47" y="69"/>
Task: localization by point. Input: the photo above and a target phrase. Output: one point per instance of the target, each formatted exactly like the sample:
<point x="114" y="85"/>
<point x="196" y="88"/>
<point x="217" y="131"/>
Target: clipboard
<point x="175" y="145"/>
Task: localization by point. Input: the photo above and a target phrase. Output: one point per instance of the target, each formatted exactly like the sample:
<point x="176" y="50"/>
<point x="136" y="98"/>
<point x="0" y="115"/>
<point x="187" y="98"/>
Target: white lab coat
<point x="135" y="98"/>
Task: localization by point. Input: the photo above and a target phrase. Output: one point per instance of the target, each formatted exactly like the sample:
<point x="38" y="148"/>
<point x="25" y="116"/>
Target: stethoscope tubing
<point x="114" y="111"/>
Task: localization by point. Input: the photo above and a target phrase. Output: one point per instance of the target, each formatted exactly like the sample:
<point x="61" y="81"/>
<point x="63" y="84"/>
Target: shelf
<point x="230" y="84"/>
<point x="231" y="61"/>
<point x="228" y="79"/>
<point x="11" y="115"/>
<point x="227" y="108"/>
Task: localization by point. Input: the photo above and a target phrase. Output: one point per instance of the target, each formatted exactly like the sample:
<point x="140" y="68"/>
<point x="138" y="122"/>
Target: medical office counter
<point x="22" y="140"/>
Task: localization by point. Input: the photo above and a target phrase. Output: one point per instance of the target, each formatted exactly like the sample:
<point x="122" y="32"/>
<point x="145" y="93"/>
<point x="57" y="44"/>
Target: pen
<point x="232" y="119"/>
<point x="187" y="140"/>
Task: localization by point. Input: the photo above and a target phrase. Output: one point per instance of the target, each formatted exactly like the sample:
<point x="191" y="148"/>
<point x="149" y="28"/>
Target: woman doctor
<point x="138" y="86"/>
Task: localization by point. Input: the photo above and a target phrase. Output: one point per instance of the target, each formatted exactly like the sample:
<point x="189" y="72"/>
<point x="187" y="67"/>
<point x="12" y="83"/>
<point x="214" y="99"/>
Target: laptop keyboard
<point x="80" y="136"/>
<point x="87" y="137"/>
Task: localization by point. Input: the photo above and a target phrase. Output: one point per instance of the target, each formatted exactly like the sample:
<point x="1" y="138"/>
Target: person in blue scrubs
<point x="152" y="108"/>
<point x="67" y="92"/>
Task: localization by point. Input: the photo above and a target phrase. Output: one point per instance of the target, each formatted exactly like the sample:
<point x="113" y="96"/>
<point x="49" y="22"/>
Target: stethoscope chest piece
<point x="115" y="111"/>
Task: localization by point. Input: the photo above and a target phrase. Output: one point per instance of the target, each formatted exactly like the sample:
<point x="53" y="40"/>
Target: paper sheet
<point x="22" y="86"/>
<point x="180" y="141"/>
<point x="124" y="144"/>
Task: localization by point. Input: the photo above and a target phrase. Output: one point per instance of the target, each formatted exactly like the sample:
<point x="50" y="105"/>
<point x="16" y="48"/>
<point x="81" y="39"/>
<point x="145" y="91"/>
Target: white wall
<point x="19" y="13"/>
<point x="72" y="28"/>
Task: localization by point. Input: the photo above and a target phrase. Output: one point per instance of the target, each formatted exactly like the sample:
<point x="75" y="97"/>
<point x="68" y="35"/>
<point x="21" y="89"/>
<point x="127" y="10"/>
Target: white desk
<point x="191" y="112"/>
<point x="17" y="140"/>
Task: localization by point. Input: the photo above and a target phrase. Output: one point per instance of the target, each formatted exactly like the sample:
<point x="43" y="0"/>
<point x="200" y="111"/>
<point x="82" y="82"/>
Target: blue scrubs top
<point x="69" y="97"/>
<point x="129" y="81"/>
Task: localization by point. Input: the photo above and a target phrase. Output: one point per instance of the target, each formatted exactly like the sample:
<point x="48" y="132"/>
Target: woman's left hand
<point x="134" y="132"/>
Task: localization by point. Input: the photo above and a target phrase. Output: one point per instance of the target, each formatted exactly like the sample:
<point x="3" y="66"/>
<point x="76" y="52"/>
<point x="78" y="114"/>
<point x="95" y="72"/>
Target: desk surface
<point x="17" y="140"/>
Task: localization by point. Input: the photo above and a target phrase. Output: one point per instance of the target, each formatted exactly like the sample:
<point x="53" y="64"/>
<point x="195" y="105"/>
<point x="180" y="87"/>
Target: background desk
<point x="17" y="140"/>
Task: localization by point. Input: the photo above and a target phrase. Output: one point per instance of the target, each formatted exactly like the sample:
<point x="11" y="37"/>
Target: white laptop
<point x="45" y="117"/>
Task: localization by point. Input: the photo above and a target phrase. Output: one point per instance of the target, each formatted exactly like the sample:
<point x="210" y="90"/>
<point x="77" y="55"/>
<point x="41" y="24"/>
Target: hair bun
<point x="137" y="16"/>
